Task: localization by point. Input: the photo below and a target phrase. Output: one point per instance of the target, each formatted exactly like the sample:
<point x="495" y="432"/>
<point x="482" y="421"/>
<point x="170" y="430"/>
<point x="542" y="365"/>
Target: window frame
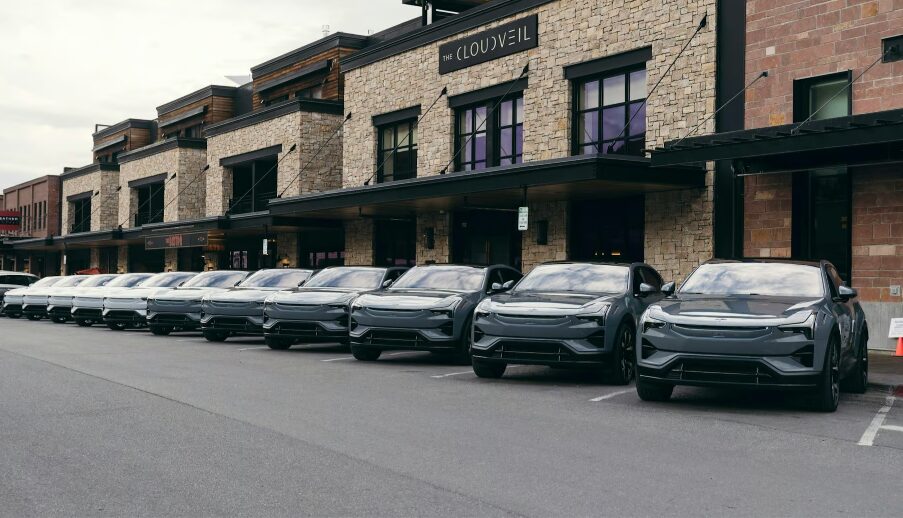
<point x="802" y="91"/>
<point x="411" y="147"/>
<point x="602" y="145"/>
<point x="492" y="128"/>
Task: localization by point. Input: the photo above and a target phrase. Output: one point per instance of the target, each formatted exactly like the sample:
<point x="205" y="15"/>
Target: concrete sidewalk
<point x="885" y="369"/>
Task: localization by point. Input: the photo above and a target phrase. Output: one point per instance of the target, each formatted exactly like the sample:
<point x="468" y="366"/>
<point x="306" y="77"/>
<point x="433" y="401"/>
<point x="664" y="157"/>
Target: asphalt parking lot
<point x="97" y="422"/>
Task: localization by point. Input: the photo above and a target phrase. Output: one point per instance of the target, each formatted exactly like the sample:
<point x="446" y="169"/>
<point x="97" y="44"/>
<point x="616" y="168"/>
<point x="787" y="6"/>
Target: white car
<point x="59" y="305"/>
<point x="13" y="298"/>
<point x="128" y="308"/>
<point x="87" y="307"/>
<point x="34" y="304"/>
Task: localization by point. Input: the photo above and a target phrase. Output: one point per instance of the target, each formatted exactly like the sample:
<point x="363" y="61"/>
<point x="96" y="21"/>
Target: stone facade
<point x="570" y="32"/>
<point x="184" y="197"/>
<point x="308" y="130"/>
<point x="556" y="247"/>
<point x="359" y="242"/>
<point x="106" y="216"/>
<point x="441" y="251"/>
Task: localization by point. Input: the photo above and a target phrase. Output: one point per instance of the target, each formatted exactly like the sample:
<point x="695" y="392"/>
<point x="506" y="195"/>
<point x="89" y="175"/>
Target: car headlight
<point x="447" y="310"/>
<point x="596" y="312"/>
<point x="649" y="319"/>
<point x="483" y="307"/>
<point x="806" y="328"/>
<point x="343" y="307"/>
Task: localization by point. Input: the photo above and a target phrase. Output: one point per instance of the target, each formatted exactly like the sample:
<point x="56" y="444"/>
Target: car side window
<point x="393" y="275"/>
<point x="652" y="278"/>
<point x="510" y="275"/>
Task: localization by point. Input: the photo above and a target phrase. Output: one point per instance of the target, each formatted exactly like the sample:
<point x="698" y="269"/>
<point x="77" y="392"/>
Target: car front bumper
<point x="186" y="317"/>
<point x="243" y="322"/>
<point x="415" y="330"/>
<point x="311" y="324"/>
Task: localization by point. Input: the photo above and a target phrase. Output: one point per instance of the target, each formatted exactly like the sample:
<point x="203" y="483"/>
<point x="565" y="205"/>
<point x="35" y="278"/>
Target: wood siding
<point x="333" y="89"/>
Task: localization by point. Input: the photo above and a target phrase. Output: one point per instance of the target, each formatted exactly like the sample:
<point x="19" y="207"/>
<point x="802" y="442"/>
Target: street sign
<point x="523" y="218"/>
<point x="266" y="246"/>
<point x="896" y="328"/>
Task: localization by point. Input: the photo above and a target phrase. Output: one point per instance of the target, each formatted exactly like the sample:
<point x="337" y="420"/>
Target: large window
<point x="81" y="215"/>
<point x="397" y="158"/>
<point x="605" y="106"/>
<point x="150" y="199"/>
<point x="253" y="186"/>
<point x="490" y="134"/>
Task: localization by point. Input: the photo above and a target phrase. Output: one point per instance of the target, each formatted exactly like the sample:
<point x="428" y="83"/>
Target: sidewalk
<point x="885" y="369"/>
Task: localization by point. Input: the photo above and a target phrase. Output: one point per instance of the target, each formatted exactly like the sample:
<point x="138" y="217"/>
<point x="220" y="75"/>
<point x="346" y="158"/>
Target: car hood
<point x="544" y="303"/>
<point x="410" y="299"/>
<point x="18" y="291"/>
<point x="243" y="295"/>
<point x="744" y="310"/>
<point x="188" y="294"/>
<point x="317" y="296"/>
<point x="135" y="293"/>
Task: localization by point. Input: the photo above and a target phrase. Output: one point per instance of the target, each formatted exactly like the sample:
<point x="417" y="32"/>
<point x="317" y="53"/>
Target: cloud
<point x="69" y="64"/>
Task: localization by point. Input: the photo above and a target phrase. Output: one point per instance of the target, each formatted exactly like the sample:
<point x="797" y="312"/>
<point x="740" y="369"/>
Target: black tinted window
<point x="578" y="278"/>
<point x="128" y="280"/>
<point x="166" y="280"/>
<point x="17" y="280"/>
<point x="651" y="278"/>
<point x="770" y="279"/>
<point x="457" y="278"/>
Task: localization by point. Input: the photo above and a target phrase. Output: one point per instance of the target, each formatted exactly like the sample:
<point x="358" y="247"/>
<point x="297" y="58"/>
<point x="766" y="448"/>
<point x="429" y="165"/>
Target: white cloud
<point x="69" y="64"/>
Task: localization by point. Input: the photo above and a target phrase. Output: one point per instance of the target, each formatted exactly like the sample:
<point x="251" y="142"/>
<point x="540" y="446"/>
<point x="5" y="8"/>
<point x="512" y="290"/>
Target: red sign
<point x="10" y="220"/>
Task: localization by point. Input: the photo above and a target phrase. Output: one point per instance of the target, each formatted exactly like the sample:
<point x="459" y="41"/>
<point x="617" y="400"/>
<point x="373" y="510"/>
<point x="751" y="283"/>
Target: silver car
<point x="59" y="305"/>
<point x="34" y="304"/>
<point x="14" y="298"/>
<point x="14" y="280"/>
<point x="127" y="308"/>
<point x="179" y="309"/>
<point x="87" y="308"/>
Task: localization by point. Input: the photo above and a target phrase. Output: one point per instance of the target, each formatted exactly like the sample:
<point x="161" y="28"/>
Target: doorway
<point x="608" y="230"/>
<point x="190" y="260"/>
<point x="822" y="208"/>
<point x="484" y="237"/>
<point x="394" y="242"/>
<point x="146" y="261"/>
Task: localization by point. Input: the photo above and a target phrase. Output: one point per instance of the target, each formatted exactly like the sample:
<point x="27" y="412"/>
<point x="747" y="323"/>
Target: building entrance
<point x="607" y="230"/>
<point x="486" y="237"/>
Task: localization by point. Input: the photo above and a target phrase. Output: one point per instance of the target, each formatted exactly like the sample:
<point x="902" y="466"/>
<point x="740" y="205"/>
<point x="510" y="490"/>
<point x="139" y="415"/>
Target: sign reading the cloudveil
<point x="194" y="239"/>
<point x="504" y="40"/>
<point x="9" y="220"/>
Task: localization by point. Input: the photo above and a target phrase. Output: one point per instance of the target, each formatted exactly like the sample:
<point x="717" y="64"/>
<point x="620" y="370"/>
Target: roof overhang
<point x="572" y="178"/>
<point x="857" y="140"/>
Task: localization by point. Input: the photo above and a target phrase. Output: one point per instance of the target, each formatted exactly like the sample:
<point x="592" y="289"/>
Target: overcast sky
<point x="70" y="64"/>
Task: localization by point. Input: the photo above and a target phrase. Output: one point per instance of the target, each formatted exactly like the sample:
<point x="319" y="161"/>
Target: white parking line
<point x="892" y="427"/>
<point x="868" y="437"/>
<point x="452" y="374"/>
<point x="352" y="357"/>
<point x="253" y="348"/>
<point x="609" y="396"/>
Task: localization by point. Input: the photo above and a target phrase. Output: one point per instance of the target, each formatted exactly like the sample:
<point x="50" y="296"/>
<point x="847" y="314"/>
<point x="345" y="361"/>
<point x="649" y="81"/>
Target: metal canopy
<point x="865" y="139"/>
<point x="572" y="178"/>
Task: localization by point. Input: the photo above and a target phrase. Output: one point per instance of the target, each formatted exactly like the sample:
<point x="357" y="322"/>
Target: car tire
<point x="462" y="355"/>
<point x="491" y="370"/>
<point x="14" y="316"/>
<point x="623" y="358"/>
<point x="161" y="330"/>
<point x="216" y="336"/>
<point x="365" y="354"/>
<point x="278" y="343"/>
<point x="653" y="391"/>
<point x="858" y="380"/>
<point x="84" y="323"/>
<point x="827" y="395"/>
<point x="59" y="320"/>
<point x="33" y="318"/>
<point x="116" y="326"/>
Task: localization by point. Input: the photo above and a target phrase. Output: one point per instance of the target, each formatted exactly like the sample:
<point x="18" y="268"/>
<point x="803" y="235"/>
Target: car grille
<point x="410" y="339"/>
<point x="719" y="331"/>
<point x="87" y="313"/>
<point x="13" y="307"/>
<point x="303" y="330"/>
<point x="532" y="351"/>
<point x="238" y="304"/>
<point x="232" y="324"/>
<point x="126" y="316"/>
<point x="176" y="320"/>
<point x="163" y="302"/>
<point x="750" y="373"/>
<point x="61" y="312"/>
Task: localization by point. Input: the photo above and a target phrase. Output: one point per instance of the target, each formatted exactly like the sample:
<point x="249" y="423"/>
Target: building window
<point x="81" y="215"/>
<point x="397" y="151"/>
<point x="150" y="204"/>
<point x="275" y="100"/>
<point x="822" y="97"/>
<point x="604" y="106"/>
<point x="315" y="92"/>
<point x="490" y="134"/>
<point x="254" y="184"/>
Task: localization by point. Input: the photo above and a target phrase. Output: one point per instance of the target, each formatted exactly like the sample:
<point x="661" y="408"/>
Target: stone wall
<point x="359" y="242"/>
<point x="441" y="251"/>
<point x="767" y="215"/>
<point x="556" y="247"/>
<point x="104" y="207"/>
<point x="309" y="131"/>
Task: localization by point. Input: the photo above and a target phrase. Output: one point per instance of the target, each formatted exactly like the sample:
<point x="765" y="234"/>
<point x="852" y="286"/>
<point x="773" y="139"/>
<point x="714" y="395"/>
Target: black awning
<point x="200" y="110"/>
<point x="580" y="177"/>
<point x="231" y="161"/>
<point x="115" y="142"/>
<point x="150" y="180"/>
<point x="316" y="68"/>
<point x="850" y="141"/>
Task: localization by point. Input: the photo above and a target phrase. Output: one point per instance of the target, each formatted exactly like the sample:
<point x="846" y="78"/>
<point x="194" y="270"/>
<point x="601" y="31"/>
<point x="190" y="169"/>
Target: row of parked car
<point x="762" y="324"/>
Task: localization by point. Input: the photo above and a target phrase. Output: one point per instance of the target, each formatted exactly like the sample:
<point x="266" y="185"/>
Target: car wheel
<point x="59" y="320"/>
<point x="365" y="354"/>
<point x="84" y="323"/>
<point x="14" y="316"/>
<point x="858" y="380"/>
<point x="827" y="396"/>
<point x="33" y="318"/>
<point x="278" y="343"/>
<point x="216" y="336"/>
<point x="623" y="359"/>
<point x="653" y="391"/>
<point x="161" y="330"/>
<point x="116" y="326"/>
<point x="491" y="370"/>
<point x="462" y="355"/>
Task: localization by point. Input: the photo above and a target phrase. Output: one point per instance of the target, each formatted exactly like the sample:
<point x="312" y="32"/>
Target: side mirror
<point x="646" y="290"/>
<point x="498" y="287"/>
<point x="302" y="283"/>
<point x="388" y="283"/>
<point x="845" y="293"/>
<point x="669" y="289"/>
<point x="508" y="285"/>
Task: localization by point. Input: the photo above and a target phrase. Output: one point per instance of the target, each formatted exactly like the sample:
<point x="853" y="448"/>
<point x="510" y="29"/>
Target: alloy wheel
<point x="835" y="374"/>
<point x="627" y="357"/>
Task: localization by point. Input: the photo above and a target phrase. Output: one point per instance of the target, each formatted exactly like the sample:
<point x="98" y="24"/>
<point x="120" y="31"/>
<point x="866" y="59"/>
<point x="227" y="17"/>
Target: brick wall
<point x="795" y="39"/>
<point x="767" y="209"/>
<point x="878" y="232"/>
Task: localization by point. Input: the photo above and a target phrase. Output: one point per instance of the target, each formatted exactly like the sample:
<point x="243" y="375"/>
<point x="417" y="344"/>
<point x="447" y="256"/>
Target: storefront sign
<point x="504" y="40"/>
<point x="191" y="240"/>
<point x="10" y="220"/>
<point x="896" y="328"/>
<point x="523" y="218"/>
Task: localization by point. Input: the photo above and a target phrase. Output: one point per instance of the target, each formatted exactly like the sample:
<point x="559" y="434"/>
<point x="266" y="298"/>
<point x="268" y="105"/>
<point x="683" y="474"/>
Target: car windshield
<point x="68" y="282"/>
<point x="47" y="281"/>
<point x="769" y="279"/>
<point x="454" y="278"/>
<point x="128" y="280"/>
<point x="95" y="281"/>
<point x="216" y="280"/>
<point x="366" y="278"/>
<point x="276" y="279"/>
<point x="167" y="280"/>
<point x="577" y="278"/>
<point x="16" y="280"/>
